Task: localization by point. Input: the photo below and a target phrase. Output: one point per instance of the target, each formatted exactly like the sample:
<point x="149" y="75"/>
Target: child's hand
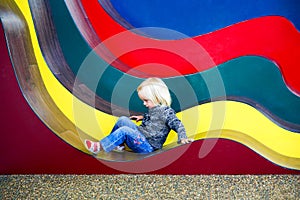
<point x="185" y="141"/>
<point x="136" y="117"/>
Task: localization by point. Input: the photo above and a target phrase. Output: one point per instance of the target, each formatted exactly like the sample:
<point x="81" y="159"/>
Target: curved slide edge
<point x="107" y="117"/>
<point x="26" y="139"/>
<point x="281" y="141"/>
<point x="56" y="62"/>
<point x="24" y="61"/>
<point x="290" y="152"/>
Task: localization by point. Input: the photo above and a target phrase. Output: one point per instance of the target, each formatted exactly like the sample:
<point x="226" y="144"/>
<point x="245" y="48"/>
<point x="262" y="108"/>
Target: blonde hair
<point x="155" y="90"/>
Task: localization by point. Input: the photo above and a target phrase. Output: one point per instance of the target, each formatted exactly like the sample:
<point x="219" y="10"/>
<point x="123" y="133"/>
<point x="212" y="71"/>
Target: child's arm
<point x="136" y="117"/>
<point x="175" y="124"/>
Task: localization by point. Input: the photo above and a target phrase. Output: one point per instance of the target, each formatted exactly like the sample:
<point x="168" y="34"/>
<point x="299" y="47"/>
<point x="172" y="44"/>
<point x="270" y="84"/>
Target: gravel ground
<point x="149" y="187"/>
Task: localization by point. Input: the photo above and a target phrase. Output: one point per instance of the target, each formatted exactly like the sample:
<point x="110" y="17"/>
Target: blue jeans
<point x="125" y="131"/>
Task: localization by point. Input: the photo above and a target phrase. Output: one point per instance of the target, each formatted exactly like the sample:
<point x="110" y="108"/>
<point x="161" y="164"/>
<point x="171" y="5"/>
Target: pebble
<point x="149" y="187"/>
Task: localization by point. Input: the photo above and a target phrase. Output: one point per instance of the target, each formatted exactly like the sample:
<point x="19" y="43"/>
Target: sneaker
<point x="93" y="147"/>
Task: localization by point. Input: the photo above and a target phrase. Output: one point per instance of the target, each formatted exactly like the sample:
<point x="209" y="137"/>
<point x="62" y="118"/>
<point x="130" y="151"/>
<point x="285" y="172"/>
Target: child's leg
<point x="133" y="138"/>
<point x="124" y="121"/>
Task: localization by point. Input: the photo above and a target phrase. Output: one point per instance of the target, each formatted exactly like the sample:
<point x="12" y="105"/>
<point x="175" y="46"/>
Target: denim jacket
<point x="158" y="122"/>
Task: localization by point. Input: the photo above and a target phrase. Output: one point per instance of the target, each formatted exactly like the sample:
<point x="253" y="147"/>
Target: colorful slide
<point x="76" y="64"/>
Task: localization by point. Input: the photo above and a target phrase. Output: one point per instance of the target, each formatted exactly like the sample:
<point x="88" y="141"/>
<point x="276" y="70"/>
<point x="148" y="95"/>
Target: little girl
<point x="155" y="127"/>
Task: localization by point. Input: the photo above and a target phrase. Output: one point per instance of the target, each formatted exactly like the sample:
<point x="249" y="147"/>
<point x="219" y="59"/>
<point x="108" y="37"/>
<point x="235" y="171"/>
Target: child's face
<point x="147" y="102"/>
